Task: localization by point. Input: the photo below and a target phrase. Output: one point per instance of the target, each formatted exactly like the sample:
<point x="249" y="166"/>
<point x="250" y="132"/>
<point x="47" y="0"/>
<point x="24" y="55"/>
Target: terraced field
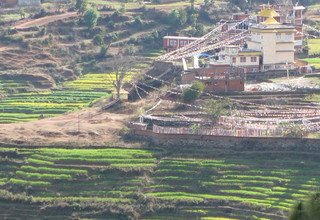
<point x="9" y="85"/>
<point x="81" y="176"/>
<point x="73" y="95"/>
<point x="155" y="183"/>
<point x="31" y="106"/>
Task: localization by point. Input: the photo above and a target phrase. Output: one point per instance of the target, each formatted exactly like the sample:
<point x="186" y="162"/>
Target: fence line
<point x="238" y="132"/>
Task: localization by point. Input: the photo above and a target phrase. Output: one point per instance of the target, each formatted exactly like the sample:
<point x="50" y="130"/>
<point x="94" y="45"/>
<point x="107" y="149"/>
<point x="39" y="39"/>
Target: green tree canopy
<point x="81" y="6"/>
<point x="308" y="209"/>
<point x="194" y="92"/>
<point x="91" y="17"/>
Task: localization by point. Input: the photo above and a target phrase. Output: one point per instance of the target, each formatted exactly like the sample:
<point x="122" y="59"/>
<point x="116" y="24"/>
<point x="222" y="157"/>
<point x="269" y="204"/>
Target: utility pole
<point x="287" y="65"/>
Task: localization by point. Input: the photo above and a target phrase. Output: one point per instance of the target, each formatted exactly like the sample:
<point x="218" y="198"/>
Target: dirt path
<point x="88" y="127"/>
<point x="45" y="20"/>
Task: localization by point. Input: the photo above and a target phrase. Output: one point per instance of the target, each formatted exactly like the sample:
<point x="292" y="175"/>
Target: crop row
<point x="29" y="106"/>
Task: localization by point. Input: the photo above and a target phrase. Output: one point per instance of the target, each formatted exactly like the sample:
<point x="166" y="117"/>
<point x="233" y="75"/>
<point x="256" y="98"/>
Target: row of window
<point x="175" y="43"/>
<point x="287" y="37"/>
<point x="244" y="59"/>
<point x="279" y="37"/>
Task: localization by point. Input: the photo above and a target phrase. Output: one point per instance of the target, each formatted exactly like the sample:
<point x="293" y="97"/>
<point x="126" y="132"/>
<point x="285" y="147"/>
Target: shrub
<point x="81" y="6"/>
<point x="215" y="108"/>
<point x="307" y="210"/>
<point x="194" y="92"/>
<point x="103" y="51"/>
<point x="91" y="17"/>
<point x="138" y="21"/>
<point x="98" y="40"/>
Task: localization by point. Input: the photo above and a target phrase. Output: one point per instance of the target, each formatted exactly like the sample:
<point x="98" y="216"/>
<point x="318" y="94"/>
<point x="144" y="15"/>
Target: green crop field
<point x="95" y="82"/>
<point x="314" y="46"/>
<point x="313" y="62"/>
<point x="30" y="106"/>
<point x="152" y="183"/>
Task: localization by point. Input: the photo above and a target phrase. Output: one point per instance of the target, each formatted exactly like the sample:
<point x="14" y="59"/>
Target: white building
<point x="275" y="42"/>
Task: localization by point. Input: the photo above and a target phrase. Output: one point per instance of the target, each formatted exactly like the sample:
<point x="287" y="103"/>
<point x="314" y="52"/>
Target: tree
<point x="81" y="6"/>
<point x="178" y="17"/>
<point x="183" y="17"/>
<point x="216" y="108"/>
<point x="121" y="67"/>
<point x="192" y="5"/>
<point x="22" y="13"/>
<point x="91" y="17"/>
<point x="308" y="209"/>
<point x="194" y="92"/>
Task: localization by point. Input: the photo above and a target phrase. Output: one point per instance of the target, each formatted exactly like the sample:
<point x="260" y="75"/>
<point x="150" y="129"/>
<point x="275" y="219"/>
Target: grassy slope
<point x="199" y="183"/>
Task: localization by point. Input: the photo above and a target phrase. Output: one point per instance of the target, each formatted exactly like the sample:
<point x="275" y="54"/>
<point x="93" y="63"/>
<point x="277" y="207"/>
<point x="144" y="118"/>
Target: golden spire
<point x="270" y="21"/>
<point x="268" y="13"/>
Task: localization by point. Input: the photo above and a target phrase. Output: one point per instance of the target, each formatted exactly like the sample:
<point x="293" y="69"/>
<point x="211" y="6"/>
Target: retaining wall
<point x="232" y="143"/>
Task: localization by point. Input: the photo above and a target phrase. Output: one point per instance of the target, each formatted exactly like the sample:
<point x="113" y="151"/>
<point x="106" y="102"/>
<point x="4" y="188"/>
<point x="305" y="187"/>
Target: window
<point x="183" y="43"/>
<point x="234" y="59"/>
<point x="172" y="42"/>
<point x="278" y="37"/>
<point x="288" y="36"/>
<point x="253" y="59"/>
<point x="243" y="59"/>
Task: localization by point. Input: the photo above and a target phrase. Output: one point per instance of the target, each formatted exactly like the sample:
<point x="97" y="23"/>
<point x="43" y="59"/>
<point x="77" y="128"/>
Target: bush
<point x="91" y="17"/>
<point x="81" y="6"/>
<point x="178" y="17"/>
<point x="137" y="21"/>
<point x="98" y="40"/>
<point x="103" y="51"/>
<point x="194" y="92"/>
<point x="215" y="108"/>
<point x="307" y="210"/>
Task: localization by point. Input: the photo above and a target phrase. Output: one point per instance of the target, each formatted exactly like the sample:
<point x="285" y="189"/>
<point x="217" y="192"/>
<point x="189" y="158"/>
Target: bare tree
<point x="122" y="67"/>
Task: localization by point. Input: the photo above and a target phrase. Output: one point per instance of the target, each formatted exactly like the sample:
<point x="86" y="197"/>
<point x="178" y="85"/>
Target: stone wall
<point x="232" y="143"/>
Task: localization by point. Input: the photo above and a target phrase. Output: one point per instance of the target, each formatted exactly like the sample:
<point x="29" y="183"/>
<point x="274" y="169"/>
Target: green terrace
<point x="75" y="175"/>
<point x="31" y="106"/>
<point x="205" y="186"/>
<point x="262" y="184"/>
<point x="313" y="62"/>
<point x="70" y="96"/>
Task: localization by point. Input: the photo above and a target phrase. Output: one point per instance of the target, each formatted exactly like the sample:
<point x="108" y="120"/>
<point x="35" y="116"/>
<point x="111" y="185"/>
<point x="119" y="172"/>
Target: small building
<point x="225" y="83"/>
<point x="231" y="28"/>
<point x="217" y="78"/>
<point x="248" y="60"/>
<point x="171" y="43"/>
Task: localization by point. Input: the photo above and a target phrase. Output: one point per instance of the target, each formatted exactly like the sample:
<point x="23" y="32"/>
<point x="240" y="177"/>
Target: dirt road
<point x="45" y="20"/>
